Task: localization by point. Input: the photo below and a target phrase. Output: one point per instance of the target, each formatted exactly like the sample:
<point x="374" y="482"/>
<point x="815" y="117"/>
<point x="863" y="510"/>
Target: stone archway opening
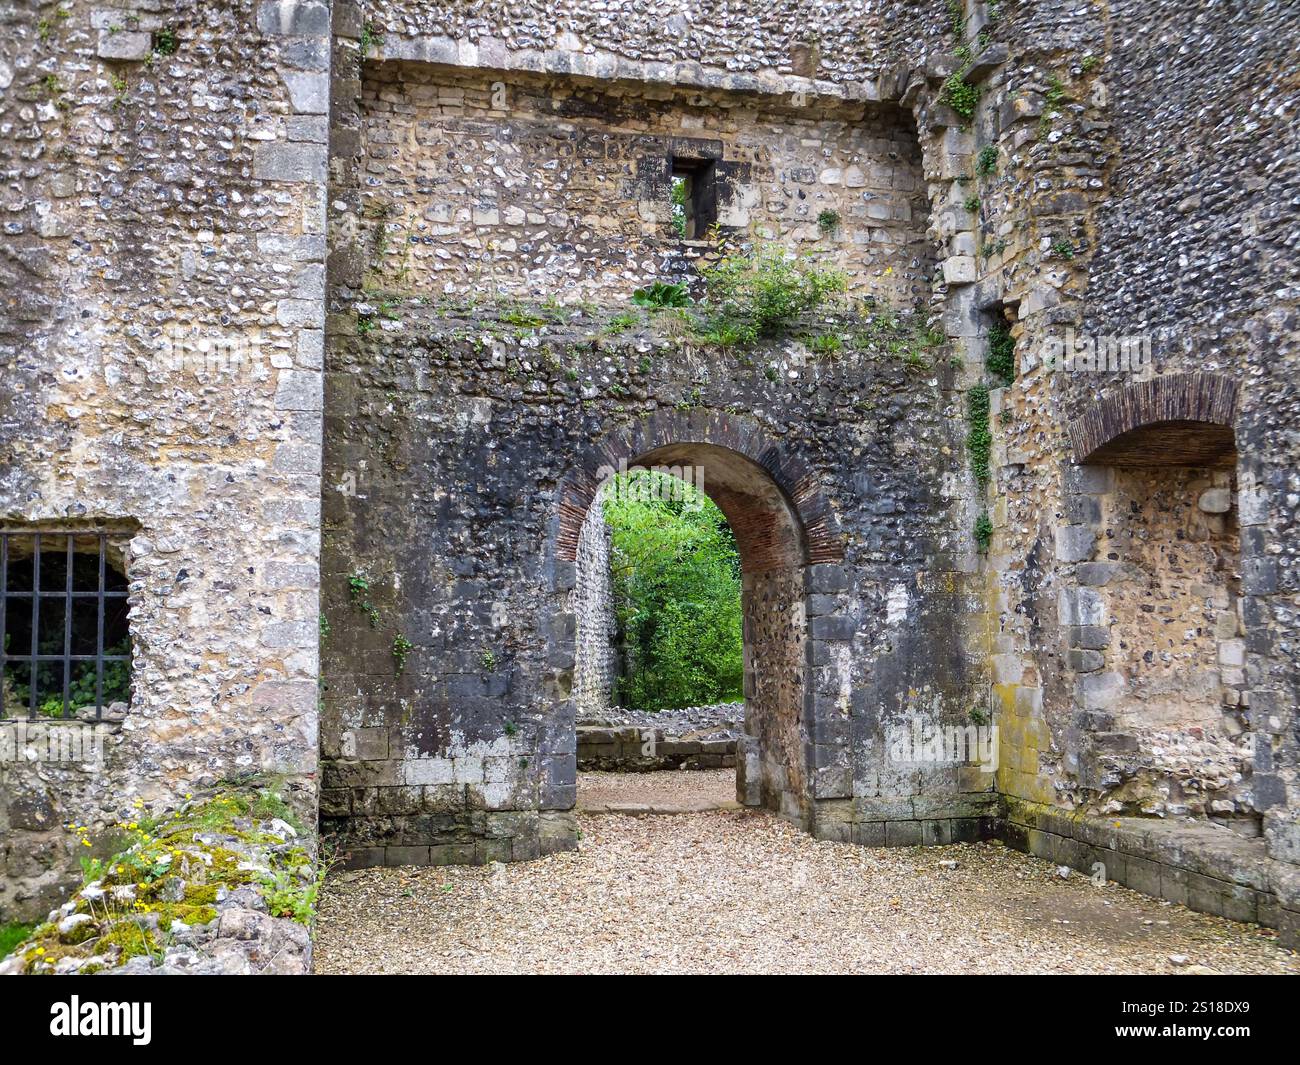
<point x="772" y="546"/>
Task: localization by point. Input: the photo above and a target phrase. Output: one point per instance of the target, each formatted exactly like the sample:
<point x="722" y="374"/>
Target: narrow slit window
<point x="65" y="644"/>
<point x="694" y="197"/>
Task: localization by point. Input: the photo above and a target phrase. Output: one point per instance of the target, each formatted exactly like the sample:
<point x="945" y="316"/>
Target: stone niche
<point x="1167" y="575"/>
<point x="1159" y="644"/>
<point x="559" y="188"/>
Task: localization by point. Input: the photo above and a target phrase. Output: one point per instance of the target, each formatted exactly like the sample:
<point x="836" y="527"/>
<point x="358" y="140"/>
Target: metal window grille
<point x="70" y="585"/>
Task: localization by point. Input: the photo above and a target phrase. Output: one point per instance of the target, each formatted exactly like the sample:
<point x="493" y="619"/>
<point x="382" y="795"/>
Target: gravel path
<point x="746" y="892"/>
<point x="673" y="790"/>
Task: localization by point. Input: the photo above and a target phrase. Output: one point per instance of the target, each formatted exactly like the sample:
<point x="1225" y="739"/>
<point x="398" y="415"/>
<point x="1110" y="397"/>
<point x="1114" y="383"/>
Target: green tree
<point x="676" y="582"/>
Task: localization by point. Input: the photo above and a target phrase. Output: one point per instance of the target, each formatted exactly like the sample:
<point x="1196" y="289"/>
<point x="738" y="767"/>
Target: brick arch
<point x="674" y="437"/>
<point x="1175" y="420"/>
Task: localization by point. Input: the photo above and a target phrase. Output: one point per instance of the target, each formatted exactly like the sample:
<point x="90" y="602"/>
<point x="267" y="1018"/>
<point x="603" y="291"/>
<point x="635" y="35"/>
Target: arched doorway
<point x="781" y="524"/>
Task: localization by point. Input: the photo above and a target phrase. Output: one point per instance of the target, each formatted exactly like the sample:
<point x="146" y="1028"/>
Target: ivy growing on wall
<point x="979" y="438"/>
<point x="1001" y="358"/>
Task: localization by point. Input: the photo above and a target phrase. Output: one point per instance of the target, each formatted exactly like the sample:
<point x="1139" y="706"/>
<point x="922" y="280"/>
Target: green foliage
<point x="1054" y="98"/>
<point x="972" y="204"/>
<point x="1063" y="248"/>
<point x="825" y="344"/>
<point x="371" y="35"/>
<point x="1090" y="63"/>
<point x="983" y="531"/>
<point x="488" y="660"/>
<point x="678" y="210"/>
<point x="287" y="895"/>
<point x="764" y="291"/>
<point x="402" y="647"/>
<point x="828" y="221"/>
<point x="979" y="439"/>
<point x="662" y="294"/>
<point x="1001" y="358"/>
<point x="12" y="934"/>
<point x="986" y="162"/>
<point x="676" y="578"/>
<point x="956" y="17"/>
<point x="359" y="593"/>
<point x="164" y="41"/>
<point x="81" y="687"/>
<point x="958" y="94"/>
<point x="174" y="867"/>
<point x="621" y="323"/>
<point x="1056" y="94"/>
<point x="996" y="247"/>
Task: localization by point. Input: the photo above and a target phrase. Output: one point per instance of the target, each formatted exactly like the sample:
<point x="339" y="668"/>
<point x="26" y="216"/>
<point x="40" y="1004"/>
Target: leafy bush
<point x="662" y="294"/>
<point x="676" y="578"/>
<point x="763" y="292"/>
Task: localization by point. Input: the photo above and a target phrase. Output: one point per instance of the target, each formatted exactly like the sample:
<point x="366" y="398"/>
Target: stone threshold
<point x="640" y="809"/>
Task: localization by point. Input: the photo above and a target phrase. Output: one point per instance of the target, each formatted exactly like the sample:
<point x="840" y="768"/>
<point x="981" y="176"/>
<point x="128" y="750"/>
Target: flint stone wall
<point x="696" y="737"/>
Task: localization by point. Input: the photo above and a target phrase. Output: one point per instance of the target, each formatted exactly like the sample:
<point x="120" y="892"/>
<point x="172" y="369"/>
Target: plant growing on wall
<point x="402" y="647"/>
<point x="764" y="291"/>
<point x="979" y="439"/>
<point x="662" y="294"/>
<point x="1001" y="358"/>
<point x="358" y="593"/>
<point x="959" y="94"/>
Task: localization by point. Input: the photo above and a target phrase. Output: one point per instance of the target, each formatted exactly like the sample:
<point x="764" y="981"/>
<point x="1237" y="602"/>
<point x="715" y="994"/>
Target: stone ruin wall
<point x="595" y="668"/>
<point x="1132" y="198"/>
<point x="553" y="188"/>
<point x="161" y="346"/>
<point x="1142" y="183"/>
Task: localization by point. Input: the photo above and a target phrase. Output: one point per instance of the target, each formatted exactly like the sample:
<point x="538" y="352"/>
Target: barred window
<point x="65" y="644"/>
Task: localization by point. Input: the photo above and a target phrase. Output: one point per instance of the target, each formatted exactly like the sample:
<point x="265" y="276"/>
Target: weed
<point x="402" y="647"/>
<point x="662" y="294"/>
<point x="164" y="41"/>
<point x="825" y="344"/>
<point x="1001" y="358"/>
<point x="979" y="440"/>
<point x="828" y="221"/>
<point x="960" y="95"/>
<point x="763" y="292"/>
<point x="621" y="323"/>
